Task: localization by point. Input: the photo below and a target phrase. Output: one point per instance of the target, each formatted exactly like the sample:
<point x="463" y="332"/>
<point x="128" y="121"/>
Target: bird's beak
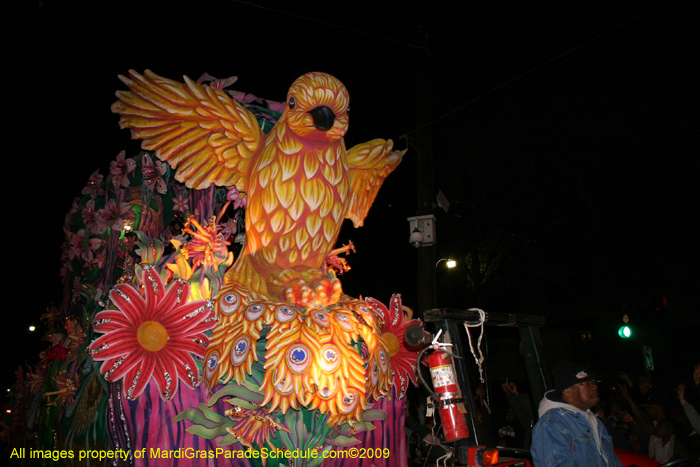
<point x="323" y="118"/>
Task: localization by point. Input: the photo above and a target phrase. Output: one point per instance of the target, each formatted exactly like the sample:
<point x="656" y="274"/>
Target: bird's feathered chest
<point x="301" y="177"/>
<point x="298" y="198"/>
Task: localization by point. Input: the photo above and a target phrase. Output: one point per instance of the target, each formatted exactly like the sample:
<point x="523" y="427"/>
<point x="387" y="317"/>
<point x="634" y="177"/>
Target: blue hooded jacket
<point x="566" y="436"/>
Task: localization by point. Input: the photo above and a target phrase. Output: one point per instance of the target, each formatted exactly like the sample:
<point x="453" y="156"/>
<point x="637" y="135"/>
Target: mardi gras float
<point x="203" y="314"/>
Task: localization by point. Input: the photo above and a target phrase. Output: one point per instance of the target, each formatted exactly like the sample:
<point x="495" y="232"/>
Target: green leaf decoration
<point x="195" y="416"/>
<point x="343" y="441"/>
<point x="212" y="415"/>
<point x="150" y="249"/>
<point x="359" y="428"/>
<point x="208" y="433"/>
<point x="374" y="415"/>
<point x="227" y="440"/>
<point x="241" y="403"/>
<point x="236" y="390"/>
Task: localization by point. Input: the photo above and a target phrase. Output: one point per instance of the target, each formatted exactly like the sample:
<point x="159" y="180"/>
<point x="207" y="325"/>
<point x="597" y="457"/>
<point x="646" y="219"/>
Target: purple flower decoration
<point x="81" y="246"/>
<point x="89" y="215"/>
<point x="181" y="203"/>
<point x="239" y="199"/>
<point x="128" y="244"/>
<point x="120" y="169"/>
<point x="216" y="83"/>
<point x="94" y="184"/>
<point x="229" y="229"/>
<point x="99" y="259"/>
<point x="112" y="216"/>
<point x="153" y="174"/>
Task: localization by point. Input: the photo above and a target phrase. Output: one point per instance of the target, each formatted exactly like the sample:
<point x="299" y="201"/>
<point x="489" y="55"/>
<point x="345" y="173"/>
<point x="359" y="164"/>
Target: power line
<point x="544" y="46"/>
<point x="332" y="25"/>
<point x="538" y="67"/>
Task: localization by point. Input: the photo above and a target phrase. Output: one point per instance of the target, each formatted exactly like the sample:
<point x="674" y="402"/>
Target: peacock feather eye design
<point x="298" y="358"/>
<point x="349" y="402"/>
<point x="255" y="311"/>
<point x="325" y="393"/>
<point x="320" y="318"/>
<point x="240" y="350"/>
<point x="344" y="320"/>
<point x="330" y="358"/>
<point x="284" y="387"/>
<point x="285" y="313"/>
<point x="383" y="360"/>
<point x="211" y="363"/>
<point x="229" y="303"/>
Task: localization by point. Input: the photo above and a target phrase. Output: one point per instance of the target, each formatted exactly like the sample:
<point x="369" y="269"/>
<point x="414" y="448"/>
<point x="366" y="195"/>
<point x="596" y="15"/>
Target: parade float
<point x="204" y="319"/>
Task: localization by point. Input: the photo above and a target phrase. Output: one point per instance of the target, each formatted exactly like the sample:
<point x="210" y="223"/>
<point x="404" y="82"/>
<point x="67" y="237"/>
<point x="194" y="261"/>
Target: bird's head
<point x="317" y="107"/>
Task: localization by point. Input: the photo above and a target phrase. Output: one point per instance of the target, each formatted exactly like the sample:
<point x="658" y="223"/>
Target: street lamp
<point x="450" y="262"/>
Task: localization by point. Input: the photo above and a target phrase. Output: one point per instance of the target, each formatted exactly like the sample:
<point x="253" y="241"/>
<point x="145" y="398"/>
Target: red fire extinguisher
<point x="446" y="389"/>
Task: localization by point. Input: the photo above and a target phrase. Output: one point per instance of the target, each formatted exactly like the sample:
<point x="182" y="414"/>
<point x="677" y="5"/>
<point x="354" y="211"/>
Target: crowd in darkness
<point x="660" y="421"/>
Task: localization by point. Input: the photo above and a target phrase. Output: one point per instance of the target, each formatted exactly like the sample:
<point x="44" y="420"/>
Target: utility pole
<point x="426" y="292"/>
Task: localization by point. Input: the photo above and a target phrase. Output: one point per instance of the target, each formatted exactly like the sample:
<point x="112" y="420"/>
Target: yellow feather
<point x="337" y="212"/>
<point x="317" y="242"/>
<point x="313" y="223"/>
<point x="286" y="242"/>
<point x="289" y="146"/>
<point x="254" y="210"/>
<point x="263" y="176"/>
<point x="266" y="158"/>
<point x="266" y="238"/>
<point x="296" y="208"/>
<point x="312" y="191"/>
<point x="286" y="191"/>
<point x="334" y="173"/>
<point x="329" y="229"/>
<point x="269" y="201"/>
<point x="343" y="189"/>
<point x="290" y="167"/>
<point x="327" y="203"/>
<point x="251" y="245"/>
<point x="331" y="155"/>
<point x="310" y="166"/>
<point x="277" y="221"/>
<point x="301" y="236"/>
<point x="305" y="251"/>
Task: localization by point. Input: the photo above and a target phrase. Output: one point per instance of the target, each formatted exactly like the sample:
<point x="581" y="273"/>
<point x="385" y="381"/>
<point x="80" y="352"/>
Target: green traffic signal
<point x="625" y="332"/>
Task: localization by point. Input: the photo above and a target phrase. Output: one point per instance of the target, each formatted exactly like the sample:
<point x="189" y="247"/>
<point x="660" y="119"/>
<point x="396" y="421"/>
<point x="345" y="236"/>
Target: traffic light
<point x="625" y="331"/>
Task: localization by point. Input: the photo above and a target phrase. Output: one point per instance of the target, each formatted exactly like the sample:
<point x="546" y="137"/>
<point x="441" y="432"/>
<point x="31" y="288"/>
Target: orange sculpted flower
<point x="152" y="337"/>
<point x="207" y="244"/>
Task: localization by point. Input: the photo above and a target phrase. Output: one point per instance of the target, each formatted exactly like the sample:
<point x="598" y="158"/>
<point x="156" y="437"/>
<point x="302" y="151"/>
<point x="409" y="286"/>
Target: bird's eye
<point x="292" y="102"/>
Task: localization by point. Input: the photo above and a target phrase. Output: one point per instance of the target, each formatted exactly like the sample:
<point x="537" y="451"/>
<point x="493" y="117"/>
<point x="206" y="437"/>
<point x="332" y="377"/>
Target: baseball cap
<point x="569" y="373"/>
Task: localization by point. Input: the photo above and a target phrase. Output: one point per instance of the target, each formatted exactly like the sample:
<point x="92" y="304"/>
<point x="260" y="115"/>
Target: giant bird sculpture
<point x="300" y="180"/>
<point x="323" y="350"/>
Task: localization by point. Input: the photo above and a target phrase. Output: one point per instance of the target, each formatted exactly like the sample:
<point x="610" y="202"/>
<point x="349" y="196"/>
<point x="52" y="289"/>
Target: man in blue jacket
<point x="568" y="434"/>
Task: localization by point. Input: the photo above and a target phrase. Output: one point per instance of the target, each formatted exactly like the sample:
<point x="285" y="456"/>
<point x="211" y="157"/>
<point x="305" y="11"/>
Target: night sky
<point x="565" y="138"/>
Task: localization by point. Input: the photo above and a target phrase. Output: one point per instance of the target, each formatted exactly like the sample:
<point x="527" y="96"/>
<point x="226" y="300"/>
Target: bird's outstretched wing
<point x="369" y="163"/>
<point x="198" y="130"/>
